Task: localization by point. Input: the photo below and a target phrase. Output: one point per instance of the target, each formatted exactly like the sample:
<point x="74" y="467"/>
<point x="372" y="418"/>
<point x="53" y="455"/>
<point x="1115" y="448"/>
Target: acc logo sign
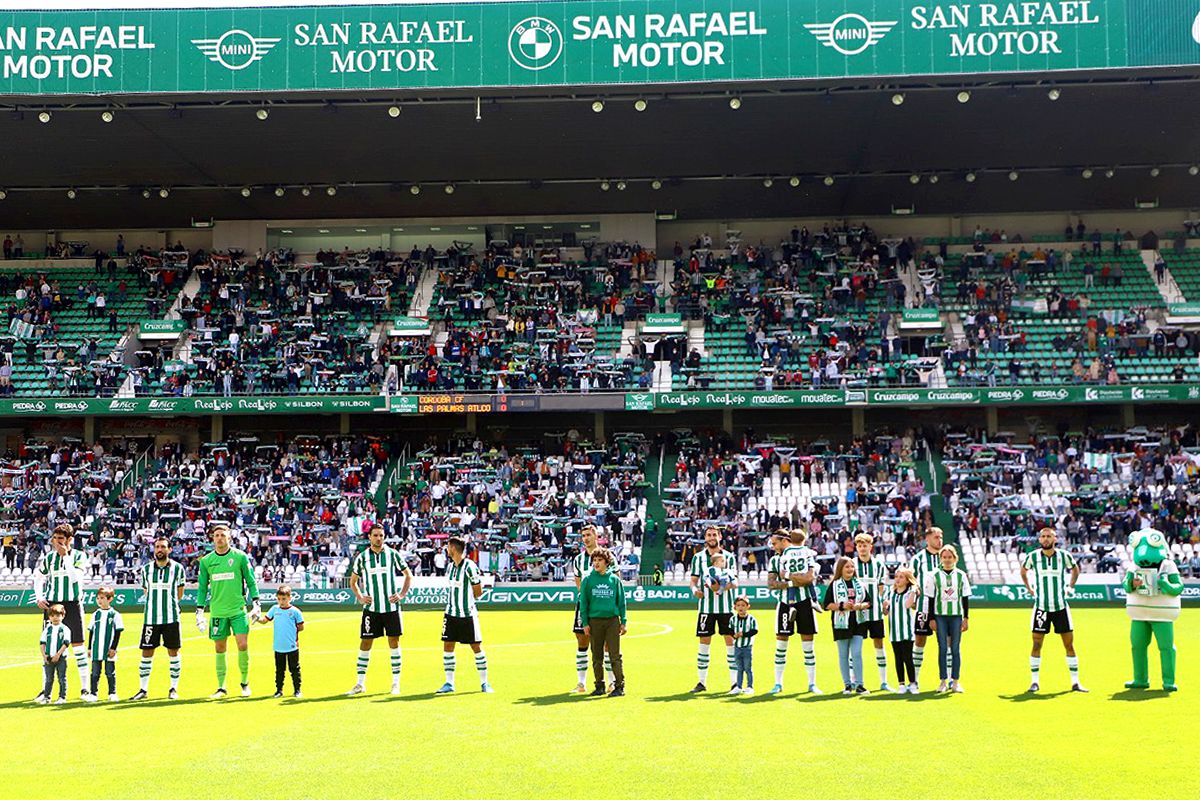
<point x="850" y="34"/>
<point x="535" y="43"/>
<point x="235" y="49"/>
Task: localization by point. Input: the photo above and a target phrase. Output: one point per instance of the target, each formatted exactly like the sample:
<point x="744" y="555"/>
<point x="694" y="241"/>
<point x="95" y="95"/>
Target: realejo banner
<point x="567" y="43"/>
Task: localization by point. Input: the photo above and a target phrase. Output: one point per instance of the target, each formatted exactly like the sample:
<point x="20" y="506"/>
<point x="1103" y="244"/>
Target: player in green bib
<point x="224" y="583"/>
<point x="1049" y="568"/>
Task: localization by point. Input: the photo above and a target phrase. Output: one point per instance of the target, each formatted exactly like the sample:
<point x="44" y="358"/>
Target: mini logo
<point x="535" y="43"/>
<point x="235" y="49"/>
<point x="850" y="34"/>
<point x="35" y="406"/>
<point x="1137" y="393"/>
<point x="1193" y="392"/>
<point x="78" y="405"/>
<point x="1196" y="29"/>
<point x="639" y="595"/>
<point x="1091" y="394"/>
<point x="122" y="405"/>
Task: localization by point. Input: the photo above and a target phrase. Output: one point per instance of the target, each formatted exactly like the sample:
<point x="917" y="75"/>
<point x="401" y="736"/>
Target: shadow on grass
<point x="1140" y="695"/>
<point x="682" y="696"/>
<point x="404" y="698"/>
<point x="1028" y="697"/>
<point x="164" y="703"/>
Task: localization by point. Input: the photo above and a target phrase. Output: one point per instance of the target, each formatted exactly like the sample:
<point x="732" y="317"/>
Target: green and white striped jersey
<point x="58" y="579"/>
<point x="102" y="631"/>
<point x="773" y="568"/>
<point x="924" y="564"/>
<point x="161" y="585"/>
<point x="581" y="565"/>
<point x="797" y="560"/>
<point x="900" y="618"/>
<point x="55" y="637"/>
<point x="711" y="602"/>
<point x="377" y="577"/>
<point x="874" y="574"/>
<point x="1051" y="576"/>
<point x="748" y="627"/>
<point x="949" y="591"/>
<point x="462" y="577"/>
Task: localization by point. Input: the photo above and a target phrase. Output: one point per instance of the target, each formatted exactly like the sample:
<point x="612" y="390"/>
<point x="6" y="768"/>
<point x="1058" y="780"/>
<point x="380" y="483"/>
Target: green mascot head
<point x="1148" y="548"/>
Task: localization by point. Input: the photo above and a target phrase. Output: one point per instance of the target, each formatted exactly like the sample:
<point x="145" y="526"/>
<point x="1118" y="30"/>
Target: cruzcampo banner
<point x="921" y="315"/>
<point x="570" y="43"/>
<point x="560" y="595"/>
<point x="162" y="326"/>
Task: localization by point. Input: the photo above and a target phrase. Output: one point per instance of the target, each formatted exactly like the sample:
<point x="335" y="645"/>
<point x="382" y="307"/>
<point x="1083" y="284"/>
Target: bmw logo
<point x="535" y="43"/>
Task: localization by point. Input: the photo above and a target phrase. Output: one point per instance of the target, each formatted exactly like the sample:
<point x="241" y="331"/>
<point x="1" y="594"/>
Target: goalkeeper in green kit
<point x="225" y="582"/>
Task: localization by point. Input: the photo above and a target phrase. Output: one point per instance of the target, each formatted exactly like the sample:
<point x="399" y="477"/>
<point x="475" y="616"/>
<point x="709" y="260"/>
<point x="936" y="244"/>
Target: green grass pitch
<point x="659" y="741"/>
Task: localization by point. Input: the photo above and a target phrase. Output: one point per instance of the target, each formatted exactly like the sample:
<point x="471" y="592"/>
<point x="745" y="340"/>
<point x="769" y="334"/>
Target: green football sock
<point x="220" y="670"/>
<point x="244" y="665"/>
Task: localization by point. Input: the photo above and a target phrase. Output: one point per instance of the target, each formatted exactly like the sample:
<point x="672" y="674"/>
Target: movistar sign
<point x="436" y="46"/>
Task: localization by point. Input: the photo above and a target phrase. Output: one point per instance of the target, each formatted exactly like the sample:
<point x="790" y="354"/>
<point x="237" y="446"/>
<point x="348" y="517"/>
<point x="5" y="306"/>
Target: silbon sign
<point x="566" y="43"/>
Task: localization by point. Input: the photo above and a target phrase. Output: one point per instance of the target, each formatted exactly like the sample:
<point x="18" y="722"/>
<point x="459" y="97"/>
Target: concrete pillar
<point x="993" y="420"/>
<point x="471" y="422"/>
<point x="1127" y="415"/>
<point x="343" y="424"/>
<point x="599" y="426"/>
<point x="858" y="422"/>
<point x="89" y="430"/>
<point x="727" y="420"/>
<point x="218" y="428"/>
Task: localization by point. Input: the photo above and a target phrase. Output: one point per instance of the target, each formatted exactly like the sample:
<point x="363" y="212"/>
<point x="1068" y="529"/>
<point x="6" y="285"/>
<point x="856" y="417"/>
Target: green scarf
<point x="841" y="594"/>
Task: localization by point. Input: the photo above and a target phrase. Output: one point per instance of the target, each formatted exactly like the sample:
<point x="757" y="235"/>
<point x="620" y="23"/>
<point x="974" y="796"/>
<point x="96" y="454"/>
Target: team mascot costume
<point x="1152" y="590"/>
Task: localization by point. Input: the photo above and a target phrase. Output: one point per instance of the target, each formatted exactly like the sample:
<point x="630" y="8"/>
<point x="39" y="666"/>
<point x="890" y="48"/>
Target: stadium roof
<point x="531" y="155"/>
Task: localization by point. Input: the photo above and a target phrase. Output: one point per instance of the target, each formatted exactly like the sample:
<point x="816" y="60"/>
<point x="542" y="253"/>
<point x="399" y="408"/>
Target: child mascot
<point x="1152" y="590"/>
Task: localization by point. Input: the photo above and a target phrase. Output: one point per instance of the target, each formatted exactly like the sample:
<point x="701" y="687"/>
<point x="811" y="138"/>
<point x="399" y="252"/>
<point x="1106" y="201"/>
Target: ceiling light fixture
<point x="164" y="193"/>
<point x="898" y="99"/>
<point x="262" y="114"/>
<point x="656" y="184"/>
<point x="735" y="103"/>
<point x="829" y="180"/>
<point x="597" y="106"/>
<point x="393" y="111"/>
<point x="415" y="189"/>
<point x="331" y="190"/>
<point x="245" y="191"/>
<point x="71" y="194"/>
<point x="449" y="189"/>
<point x="639" y="105"/>
<point x="279" y="191"/>
<point x="964" y="96"/>
<point x="106" y="116"/>
<point x="1054" y="94"/>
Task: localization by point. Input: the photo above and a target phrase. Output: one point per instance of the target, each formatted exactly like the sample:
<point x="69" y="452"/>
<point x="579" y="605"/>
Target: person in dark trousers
<point x="288" y="623"/>
<point x="602" y="612"/>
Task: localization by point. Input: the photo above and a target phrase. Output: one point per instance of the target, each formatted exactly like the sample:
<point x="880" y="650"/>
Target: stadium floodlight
<point x="415" y="189"/>
<point x="964" y="96"/>
<point x="597" y="106"/>
<point x="914" y="179"/>
<point x="898" y="99"/>
<point x="1193" y="170"/>
<point x="1155" y="172"/>
<point x="1087" y="174"/>
<point x="304" y="190"/>
<point x="768" y="183"/>
<point x="639" y="105"/>
<point x="735" y="103"/>
<point x="1054" y="94"/>
<point x="245" y="191"/>
<point x="656" y="184"/>
<point x="164" y="193"/>
<point x="43" y="117"/>
<point x="620" y="186"/>
<point x="1012" y="176"/>
<point x="793" y="181"/>
<point x="106" y="116"/>
<point x="145" y="194"/>
<point x="72" y="194"/>
<point x="604" y="186"/>
<point x="1108" y="173"/>
<point x="279" y="190"/>
<point x="393" y="111"/>
<point x="971" y="177"/>
<point x="331" y="190"/>
<point x="449" y="188"/>
<point x="829" y="180"/>
<point x="934" y="179"/>
<point x="262" y="114"/>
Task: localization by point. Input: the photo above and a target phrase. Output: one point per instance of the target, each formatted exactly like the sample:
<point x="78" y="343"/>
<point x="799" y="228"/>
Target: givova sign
<point x="570" y="43"/>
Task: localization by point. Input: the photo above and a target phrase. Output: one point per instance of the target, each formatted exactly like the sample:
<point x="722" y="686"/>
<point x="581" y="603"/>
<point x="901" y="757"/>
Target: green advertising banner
<point x="567" y="43"/>
<point x="642" y="401"/>
<point x="921" y="315"/>
<point x="682" y="401"/>
<point x="559" y="595"/>
<point x="162" y="326"/>
<point x="109" y="406"/>
<point x="664" y="320"/>
<point x="1184" y="309"/>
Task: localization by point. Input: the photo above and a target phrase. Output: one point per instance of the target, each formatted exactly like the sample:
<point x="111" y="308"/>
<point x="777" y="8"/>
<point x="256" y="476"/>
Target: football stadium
<point x="688" y="395"/>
